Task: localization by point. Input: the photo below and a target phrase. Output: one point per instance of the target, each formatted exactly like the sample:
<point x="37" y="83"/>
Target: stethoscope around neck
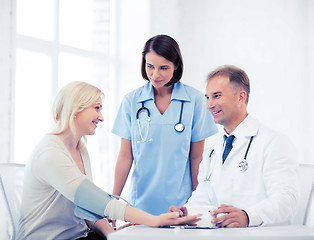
<point x="179" y="126"/>
<point x="243" y="165"/>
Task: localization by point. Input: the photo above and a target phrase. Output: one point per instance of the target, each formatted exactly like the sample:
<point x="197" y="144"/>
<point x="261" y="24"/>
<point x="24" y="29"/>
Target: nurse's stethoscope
<point x="243" y="165"/>
<point x="179" y="126"/>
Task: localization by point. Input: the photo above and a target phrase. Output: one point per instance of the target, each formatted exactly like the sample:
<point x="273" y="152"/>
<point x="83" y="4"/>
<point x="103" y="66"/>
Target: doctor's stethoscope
<point x="179" y="127"/>
<point x="243" y="165"/>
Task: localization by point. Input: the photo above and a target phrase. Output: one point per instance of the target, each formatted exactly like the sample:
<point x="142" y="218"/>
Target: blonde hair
<point x="72" y="99"/>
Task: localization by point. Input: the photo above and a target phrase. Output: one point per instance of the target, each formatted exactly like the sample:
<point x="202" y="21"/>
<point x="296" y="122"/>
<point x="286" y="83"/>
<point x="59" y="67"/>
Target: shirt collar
<point x="178" y="93"/>
<point x="247" y="128"/>
<point x="147" y="93"/>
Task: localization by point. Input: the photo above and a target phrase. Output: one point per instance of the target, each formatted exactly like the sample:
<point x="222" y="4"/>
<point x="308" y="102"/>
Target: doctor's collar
<point x="247" y="128"/>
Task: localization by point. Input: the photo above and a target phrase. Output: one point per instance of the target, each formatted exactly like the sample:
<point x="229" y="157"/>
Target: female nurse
<point x="163" y="126"/>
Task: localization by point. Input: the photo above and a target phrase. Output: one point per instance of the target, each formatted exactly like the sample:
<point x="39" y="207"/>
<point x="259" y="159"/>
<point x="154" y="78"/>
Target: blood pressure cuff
<point x="91" y="201"/>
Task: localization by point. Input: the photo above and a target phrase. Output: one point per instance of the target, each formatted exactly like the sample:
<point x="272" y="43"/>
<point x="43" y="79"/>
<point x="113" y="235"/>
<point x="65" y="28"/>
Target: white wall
<point x="272" y="40"/>
<point x="5" y="99"/>
<point x="310" y="69"/>
<point x="132" y="32"/>
<point x="5" y="83"/>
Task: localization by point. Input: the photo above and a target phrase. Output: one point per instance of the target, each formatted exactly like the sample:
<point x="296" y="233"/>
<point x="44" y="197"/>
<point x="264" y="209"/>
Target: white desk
<point x="258" y="233"/>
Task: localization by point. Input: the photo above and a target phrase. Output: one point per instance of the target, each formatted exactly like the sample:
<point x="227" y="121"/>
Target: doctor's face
<point x="222" y="101"/>
<point x="158" y="69"/>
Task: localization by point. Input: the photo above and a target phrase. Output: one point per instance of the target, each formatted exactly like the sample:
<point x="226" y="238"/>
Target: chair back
<point x="306" y="193"/>
<point x="309" y="213"/>
<point x="11" y="185"/>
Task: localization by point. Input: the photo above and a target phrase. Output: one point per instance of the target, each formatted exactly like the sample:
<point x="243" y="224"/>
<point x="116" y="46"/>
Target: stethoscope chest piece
<point x="179" y="127"/>
<point x="243" y="165"/>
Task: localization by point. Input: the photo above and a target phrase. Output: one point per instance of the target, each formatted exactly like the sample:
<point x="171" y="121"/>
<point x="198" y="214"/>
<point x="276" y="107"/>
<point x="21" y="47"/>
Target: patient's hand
<point x="182" y="211"/>
<point x="173" y="218"/>
<point x="126" y="225"/>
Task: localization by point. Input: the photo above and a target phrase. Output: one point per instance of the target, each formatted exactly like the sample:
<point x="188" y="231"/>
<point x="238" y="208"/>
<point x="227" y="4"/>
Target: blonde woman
<point x="60" y="200"/>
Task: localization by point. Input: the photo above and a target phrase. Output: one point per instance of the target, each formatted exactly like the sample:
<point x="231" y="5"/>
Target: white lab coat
<point x="268" y="190"/>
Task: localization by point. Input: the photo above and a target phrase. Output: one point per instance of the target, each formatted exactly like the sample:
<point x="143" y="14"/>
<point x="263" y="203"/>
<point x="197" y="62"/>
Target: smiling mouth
<point x="216" y="112"/>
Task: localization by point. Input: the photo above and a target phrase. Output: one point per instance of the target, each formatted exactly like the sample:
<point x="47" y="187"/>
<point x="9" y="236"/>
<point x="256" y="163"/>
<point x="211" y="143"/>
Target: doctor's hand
<point x="231" y="217"/>
<point x="182" y="211"/>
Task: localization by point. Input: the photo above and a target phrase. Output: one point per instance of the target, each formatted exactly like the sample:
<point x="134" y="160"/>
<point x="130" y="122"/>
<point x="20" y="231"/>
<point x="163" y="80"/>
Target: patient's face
<point x="86" y="121"/>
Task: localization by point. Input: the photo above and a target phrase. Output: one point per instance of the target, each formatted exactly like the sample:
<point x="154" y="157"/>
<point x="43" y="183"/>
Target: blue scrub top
<point x="162" y="175"/>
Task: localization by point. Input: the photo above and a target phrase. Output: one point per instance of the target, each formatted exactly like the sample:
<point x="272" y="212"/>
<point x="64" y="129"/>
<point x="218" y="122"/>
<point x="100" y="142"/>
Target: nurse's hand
<point x="231" y="217"/>
<point x="182" y="211"/>
<point x="173" y="218"/>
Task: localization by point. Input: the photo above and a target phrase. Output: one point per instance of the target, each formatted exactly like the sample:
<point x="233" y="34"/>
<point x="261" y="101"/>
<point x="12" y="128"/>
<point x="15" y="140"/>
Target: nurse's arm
<point x="123" y="166"/>
<point x="196" y="156"/>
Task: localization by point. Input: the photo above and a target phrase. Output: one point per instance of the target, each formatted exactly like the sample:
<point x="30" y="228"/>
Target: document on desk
<point x="188" y="227"/>
<point x="141" y="232"/>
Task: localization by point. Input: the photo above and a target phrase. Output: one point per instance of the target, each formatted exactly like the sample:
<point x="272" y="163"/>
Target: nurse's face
<point x="86" y="121"/>
<point x="158" y="69"/>
<point x="223" y="102"/>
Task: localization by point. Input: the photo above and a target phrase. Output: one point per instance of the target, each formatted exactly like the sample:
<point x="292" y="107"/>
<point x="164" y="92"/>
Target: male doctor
<point x="251" y="173"/>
